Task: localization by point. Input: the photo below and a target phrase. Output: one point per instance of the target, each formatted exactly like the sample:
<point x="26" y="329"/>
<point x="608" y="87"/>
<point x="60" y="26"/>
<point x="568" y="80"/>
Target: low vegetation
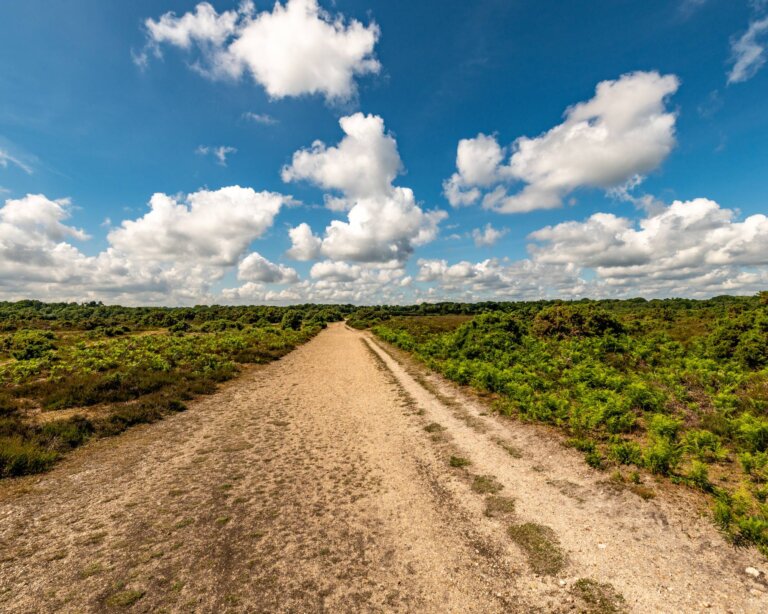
<point x="71" y="372"/>
<point x="541" y="547"/>
<point x="676" y="387"/>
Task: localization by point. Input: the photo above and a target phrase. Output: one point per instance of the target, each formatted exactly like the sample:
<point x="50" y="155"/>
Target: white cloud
<point x="691" y="247"/>
<point x="220" y="153"/>
<point x="173" y="254"/>
<point x="295" y="49"/>
<point x="260" y="118"/>
<point x="212" y="227"/>
<point x="384" y="222"/>
<point x="304" y="244"/>
<point x="336" y="271"/>
<point x="255" y="268"/>
<point x="749" y="51"/>
<point x="364" y="164"/>
<point x="623" y="132"/>
<point x="488" y="235"/>
<point x="497" y="279"/>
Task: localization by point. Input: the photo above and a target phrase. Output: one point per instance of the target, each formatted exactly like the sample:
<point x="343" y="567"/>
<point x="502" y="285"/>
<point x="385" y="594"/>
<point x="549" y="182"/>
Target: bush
<point x="66" y="434"/>
<point x="699" y="476"/>
<point x="704" y="445"/>
<point x="752" y="431"/>
<point x="664" y="427"/>
<point x="661" y="456"/>
<point x="30" y="344"/>
<point x="627" y="453"/>
<point x="291" y="320"/>
<point x="19" y="457"/>
<point x="562" y="321"/>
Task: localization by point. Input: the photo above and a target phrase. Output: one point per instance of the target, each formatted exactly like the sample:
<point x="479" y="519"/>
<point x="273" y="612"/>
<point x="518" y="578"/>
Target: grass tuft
<point x="541" y="547"/>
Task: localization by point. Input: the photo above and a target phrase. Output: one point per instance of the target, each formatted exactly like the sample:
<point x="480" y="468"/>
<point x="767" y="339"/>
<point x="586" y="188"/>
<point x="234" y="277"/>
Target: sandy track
<point x="310" y="485"/>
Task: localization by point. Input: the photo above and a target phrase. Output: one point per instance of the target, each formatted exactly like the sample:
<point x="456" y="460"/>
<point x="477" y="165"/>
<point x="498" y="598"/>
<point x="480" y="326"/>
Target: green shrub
<point x="704" y="445"/>
<point x="627" y="453"/>
<point x="752" y="431"/>
<point x="19" y="457"/>
<point x="30" y="344"/>
<point x="661" y="456"/>
<point x="561" y="321"/>
<point x="66" y="434"/>
<point x="665" y="427"/>
<point x="699" y="476"/>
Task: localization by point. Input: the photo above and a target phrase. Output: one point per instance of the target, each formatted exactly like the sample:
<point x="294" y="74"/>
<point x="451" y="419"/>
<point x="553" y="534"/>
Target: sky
<point x="234" y="152"/>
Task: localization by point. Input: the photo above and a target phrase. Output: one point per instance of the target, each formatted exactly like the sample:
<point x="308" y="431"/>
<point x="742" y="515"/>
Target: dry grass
<point x="541" y="547"/>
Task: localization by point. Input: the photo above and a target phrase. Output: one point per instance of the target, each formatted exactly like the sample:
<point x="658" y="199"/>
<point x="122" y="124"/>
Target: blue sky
<point x="656" y="187"/>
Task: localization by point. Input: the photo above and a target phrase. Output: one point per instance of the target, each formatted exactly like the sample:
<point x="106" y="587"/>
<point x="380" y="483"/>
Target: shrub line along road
<point x="311" y="484"/>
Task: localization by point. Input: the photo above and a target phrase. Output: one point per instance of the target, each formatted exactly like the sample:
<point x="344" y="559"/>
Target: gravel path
<point x="342" y="478"/>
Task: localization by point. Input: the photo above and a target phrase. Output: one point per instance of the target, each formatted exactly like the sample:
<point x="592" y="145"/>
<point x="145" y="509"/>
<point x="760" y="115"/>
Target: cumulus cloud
<point x="220" y="153"/>
<point x="498" y="279"/>
<point x="297" y="48"/>
<point x="172" y="254"/>
<point x="255" y="268"/>
<point x="749" y="51"/>
<point x="304" y="244"/>
<point x="488" y="235"/>
<point x="622" y="133"/>
<point x="212" y="227"/>
<point x="384" y="222"/>
<point x="691" y="247"/>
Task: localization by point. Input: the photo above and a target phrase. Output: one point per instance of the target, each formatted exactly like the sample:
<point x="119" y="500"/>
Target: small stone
<point x="563" y="583"/>
<point x="755" y="573"/>
<point x="602" y="546"/>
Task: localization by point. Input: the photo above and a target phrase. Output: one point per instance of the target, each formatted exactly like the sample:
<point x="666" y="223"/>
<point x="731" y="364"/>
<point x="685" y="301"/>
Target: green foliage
<point x="29" y="344"/>
<point x="752" y="431"/>
<point x="661" y="456"/>
<point x="291" y="320"/>
<point x="20" y="457"/>
<point x="562" y="321"/>
<point x="664" y="427"/>
<point x="118" y="359"/>
<point x="627" y="453"/>
<point x="698" y="476"/>
<point x="704" y="445"/>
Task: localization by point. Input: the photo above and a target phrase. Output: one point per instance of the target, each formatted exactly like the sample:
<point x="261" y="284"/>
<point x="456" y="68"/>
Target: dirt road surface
<point x="343" y="478"/>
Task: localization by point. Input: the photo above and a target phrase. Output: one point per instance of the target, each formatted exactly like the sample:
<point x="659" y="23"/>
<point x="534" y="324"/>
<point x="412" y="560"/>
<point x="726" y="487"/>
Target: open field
<point x="348" y="475"/>
<point x="70" y="373"/>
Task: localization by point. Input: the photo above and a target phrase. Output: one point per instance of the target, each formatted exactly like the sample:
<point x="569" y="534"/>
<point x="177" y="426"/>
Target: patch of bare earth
<point x="312" y="485"/>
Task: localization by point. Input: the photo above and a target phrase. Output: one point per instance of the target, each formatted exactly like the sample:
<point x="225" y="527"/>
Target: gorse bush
<point x="562" y="321"/>
<point x="671" y="386"/>
<point x="29" y="344"/>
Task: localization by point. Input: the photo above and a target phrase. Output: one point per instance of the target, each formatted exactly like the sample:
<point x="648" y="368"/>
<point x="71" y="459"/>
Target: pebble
<point x="755" y="573"/>
<point x="602" y="546"/>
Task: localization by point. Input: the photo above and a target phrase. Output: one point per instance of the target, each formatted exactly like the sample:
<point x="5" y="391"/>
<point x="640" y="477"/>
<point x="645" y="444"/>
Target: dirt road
<point x="343" y="478"/>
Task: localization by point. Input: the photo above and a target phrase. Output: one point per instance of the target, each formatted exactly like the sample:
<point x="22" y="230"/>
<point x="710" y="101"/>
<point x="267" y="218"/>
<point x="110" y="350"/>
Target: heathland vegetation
<point x="677" y="388"/>
<point x="71" y="372"/>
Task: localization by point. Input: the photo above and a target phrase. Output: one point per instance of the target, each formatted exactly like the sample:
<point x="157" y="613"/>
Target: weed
<point x="459" y="461"/>
<point x="486" y="484"/>
<point x="497" y="506"/>
<point x="541" y="547"/>
<point x="124" y="599"/>
<point x="597" y="598"/>
<point x="91" y="570"/>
